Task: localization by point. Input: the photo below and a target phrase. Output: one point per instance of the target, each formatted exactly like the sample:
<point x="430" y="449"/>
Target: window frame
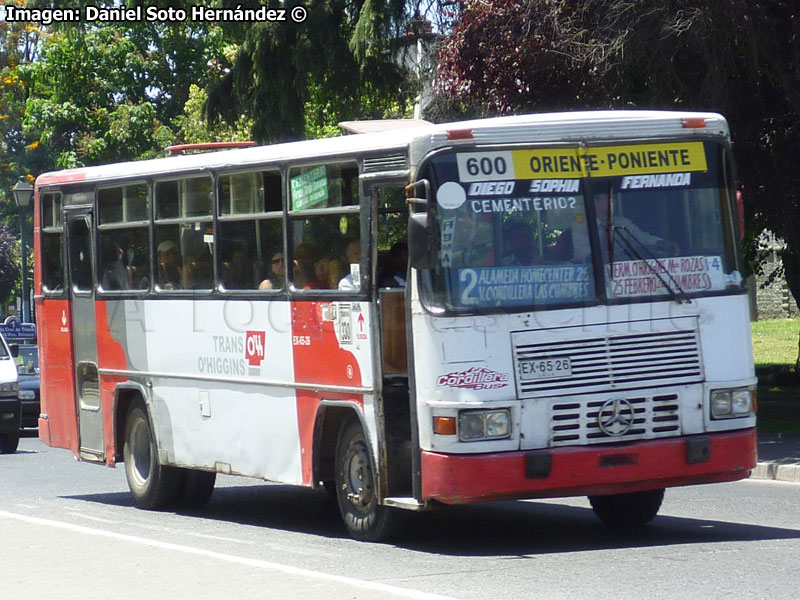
<point x="181" y="220"/>
<point x="101" y="227"/>
<point x="360" y="209"/>
<point x="258" y="216"/>
<point x="50" y="229"/>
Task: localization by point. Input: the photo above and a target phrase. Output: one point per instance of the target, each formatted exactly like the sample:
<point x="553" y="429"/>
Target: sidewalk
<point x="778" y="457"/>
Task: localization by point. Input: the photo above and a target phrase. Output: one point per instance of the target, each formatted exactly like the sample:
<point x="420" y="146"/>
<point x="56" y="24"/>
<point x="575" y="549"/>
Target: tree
<point x="18" y="153"/>
<point x="341" y="59"/>
<point x="737" y="57"/>
<point x="193" y="128"/>
<point x="9" y="264"/>
<point x="105" y="92"/>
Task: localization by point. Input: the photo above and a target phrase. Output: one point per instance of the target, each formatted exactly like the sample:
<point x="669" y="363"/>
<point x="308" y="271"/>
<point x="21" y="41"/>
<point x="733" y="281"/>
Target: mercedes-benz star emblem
<point x="615" y="417"/>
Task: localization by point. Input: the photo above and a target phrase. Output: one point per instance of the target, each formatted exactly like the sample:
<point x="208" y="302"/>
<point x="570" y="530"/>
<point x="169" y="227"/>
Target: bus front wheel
<point x="356" y="486"/>
<point x="152" y="484"/>
<point x="9" y="442"/>
<point x="627" y="511"/>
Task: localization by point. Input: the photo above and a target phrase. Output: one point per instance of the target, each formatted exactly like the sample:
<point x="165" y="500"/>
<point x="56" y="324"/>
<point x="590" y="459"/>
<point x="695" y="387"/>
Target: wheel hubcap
<point x="358" y="482"/>
<point x="140" y="451"/>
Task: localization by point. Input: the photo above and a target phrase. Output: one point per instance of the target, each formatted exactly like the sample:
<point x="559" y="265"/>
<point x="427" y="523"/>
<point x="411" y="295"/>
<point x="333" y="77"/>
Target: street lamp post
<point x="23" y="193"/>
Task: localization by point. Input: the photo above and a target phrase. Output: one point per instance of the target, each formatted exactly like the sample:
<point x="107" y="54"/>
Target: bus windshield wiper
<point x="679" y="296"/>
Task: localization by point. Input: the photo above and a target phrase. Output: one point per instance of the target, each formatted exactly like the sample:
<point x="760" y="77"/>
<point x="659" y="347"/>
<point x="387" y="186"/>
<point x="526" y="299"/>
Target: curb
<point x="777" y="471"/>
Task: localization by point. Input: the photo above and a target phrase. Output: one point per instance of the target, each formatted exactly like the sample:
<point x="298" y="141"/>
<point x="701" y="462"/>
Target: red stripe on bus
<point x="110" y="355"/>
<point x="318" y="359"/>
<point x="587" y="470"/>
<point x="71" y="176"/>
<point x="60" y="428"/>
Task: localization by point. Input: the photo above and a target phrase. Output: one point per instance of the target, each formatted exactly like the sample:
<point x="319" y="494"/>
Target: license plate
<point x="545" y="368"/>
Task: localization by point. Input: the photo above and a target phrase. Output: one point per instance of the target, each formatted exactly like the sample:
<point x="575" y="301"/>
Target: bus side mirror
<point x="421" y="253"/>
<point x="740" y="212"/>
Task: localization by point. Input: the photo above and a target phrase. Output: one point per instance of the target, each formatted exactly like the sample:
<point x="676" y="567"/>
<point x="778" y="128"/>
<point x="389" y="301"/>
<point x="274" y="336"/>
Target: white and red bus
<point x="570" y="318"/>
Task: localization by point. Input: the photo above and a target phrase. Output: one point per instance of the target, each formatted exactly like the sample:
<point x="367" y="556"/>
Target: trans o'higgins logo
<point x="254" y="347"/>
<point x="474" y="379"/>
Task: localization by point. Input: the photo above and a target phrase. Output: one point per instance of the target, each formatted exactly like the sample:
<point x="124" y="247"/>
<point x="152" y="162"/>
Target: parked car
<point x="10" y="413"/>
<point x="28" y="373"/>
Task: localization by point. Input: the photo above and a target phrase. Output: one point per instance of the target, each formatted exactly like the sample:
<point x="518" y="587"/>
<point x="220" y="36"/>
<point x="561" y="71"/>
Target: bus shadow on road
<point x="513" y="529"/>
<point x="260" y="504"/>
<point x="527" y="529"/>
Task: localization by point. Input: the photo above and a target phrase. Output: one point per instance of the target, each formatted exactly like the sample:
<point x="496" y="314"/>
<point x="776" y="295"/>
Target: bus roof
<point x="565" y="126"/>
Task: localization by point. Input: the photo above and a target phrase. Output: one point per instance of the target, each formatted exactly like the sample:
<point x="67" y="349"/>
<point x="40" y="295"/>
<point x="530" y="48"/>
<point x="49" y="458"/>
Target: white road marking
<point x="189" y="533"/>
<point x="90" y="518"/>
<point x="250" y="562"/>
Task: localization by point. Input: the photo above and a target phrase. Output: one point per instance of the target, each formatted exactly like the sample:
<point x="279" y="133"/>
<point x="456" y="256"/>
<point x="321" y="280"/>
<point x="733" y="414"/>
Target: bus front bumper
<point x="588" y="470"/>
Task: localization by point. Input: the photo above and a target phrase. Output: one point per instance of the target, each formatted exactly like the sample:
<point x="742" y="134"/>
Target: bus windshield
<point x="533" y="228"/>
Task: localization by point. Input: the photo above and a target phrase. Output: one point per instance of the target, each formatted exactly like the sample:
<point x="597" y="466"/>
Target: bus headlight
<point x="9" y="387"/>
<point x="474" y="425"/>
<point x="729" y="404"/>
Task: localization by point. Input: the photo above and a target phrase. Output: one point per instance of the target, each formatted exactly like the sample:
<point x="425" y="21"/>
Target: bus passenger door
<point x="80" y="256"/>
<point x="389" y="273"/>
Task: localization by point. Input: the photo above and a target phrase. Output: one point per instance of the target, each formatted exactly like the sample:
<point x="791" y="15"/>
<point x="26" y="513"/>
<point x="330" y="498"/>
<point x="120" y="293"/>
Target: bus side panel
<point x="110" y="355"/>
<point x="59" y="428"/>
<point x="331" y="346"/>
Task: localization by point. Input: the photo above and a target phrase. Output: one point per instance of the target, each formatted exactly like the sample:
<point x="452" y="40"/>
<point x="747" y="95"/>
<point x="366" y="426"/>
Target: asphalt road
<point x="69" y="530"/>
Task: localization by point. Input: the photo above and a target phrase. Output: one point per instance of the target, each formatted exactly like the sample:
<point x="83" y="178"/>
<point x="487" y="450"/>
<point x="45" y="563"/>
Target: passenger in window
<point x="238" y="271"/>
<point x="396" y="266"/>
<point x="352" y="253"/>
<point x="116" y="275"/>
<point x="521" y="248"/>
<point x="276" y="276"/>
<point x="327" y="272"/>
<point x="169" y="270"/>
<point x="303" y="268"/>
<point x="199" y="272"/>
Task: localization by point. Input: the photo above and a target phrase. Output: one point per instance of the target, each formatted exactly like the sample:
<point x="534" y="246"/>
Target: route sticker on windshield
<point x="573" y="163"/>
<point x="646" y="277"/>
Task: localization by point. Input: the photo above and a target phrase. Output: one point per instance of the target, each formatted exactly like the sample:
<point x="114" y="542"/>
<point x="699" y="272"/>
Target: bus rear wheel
<point x="152" y="484"/>
<point x="356" y="487"/>
<point x="628" y="511"/>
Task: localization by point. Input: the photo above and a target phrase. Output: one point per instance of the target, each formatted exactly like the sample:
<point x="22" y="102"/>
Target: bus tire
<point x="196" y="487"/>
<point x="628" y="511"/>
<point x="152" y="484"/>
<point x="356" y="486"/>
<point x="9" y="442"/>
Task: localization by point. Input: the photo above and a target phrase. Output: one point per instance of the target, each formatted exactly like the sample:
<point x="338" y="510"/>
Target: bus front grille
<point x="608" y="362"/>
<point x="577" y="423"/>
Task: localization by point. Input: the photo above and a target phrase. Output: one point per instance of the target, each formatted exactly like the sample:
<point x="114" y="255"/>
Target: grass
<point x="775" y="353"/>
<point x="775" y="342"/>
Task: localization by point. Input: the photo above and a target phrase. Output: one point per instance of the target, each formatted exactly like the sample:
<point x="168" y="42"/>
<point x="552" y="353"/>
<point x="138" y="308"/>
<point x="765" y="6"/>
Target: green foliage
<point x="9" y="263"/>
<point x="192" y="127"/>
<point x="15" y="291"/>
<point x="299" y="79"/>
<point x="111" y="91"/>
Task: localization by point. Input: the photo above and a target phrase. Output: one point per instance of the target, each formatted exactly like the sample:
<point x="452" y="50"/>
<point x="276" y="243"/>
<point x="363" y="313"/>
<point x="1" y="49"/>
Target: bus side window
<point x="52" y="243"/>
<point x="184" y="234"/>
<point x="325" y="243"/>
<point x="250" y="230"/>
<point x="123" y="237"/>
<point x="392" y="237"/>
